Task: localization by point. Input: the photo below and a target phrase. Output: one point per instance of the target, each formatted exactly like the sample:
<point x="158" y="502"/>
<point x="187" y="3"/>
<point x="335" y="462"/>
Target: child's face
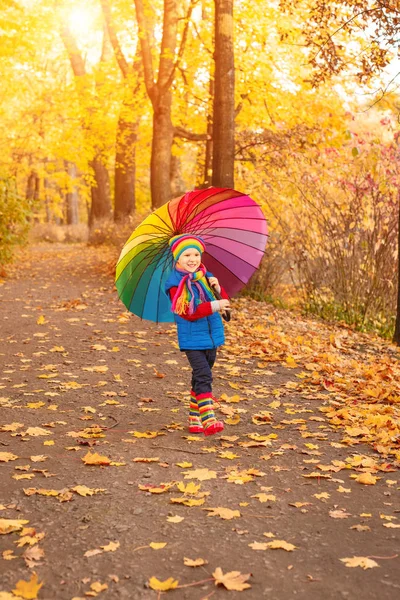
<point x="190" y="260"/>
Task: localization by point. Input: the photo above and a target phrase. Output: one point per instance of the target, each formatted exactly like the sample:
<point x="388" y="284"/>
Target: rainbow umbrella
<point x="232" y="226"/>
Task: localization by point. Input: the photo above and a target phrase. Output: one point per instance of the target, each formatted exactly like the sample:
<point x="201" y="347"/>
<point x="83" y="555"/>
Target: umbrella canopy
<point x="232" y="226"/>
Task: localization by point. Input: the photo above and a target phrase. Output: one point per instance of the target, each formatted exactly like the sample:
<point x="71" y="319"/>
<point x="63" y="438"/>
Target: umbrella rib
<point x="234" y="255"/>
<point x="237" y="241"/>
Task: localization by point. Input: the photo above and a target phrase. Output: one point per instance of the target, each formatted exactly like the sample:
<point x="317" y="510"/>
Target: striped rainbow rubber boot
<point x="209" y="422"/>
<point x="195" y="425"/>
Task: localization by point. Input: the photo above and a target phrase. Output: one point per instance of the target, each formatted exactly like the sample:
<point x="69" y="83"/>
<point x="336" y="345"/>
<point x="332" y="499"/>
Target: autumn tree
<point x="100" y="188"/>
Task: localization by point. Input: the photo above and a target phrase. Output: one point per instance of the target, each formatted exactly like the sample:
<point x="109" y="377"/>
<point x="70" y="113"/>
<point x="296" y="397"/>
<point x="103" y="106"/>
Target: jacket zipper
<point x="209" y="331"/>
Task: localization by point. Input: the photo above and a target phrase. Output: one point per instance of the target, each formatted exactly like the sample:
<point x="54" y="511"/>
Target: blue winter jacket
<point x="204" y="333"/>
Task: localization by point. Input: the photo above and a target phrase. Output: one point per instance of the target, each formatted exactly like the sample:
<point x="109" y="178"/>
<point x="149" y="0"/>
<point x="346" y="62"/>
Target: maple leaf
<point x="163" y="586"/>
<point x="175" y="519"/>
<point x="264" y="497"/>
<point x="259" y="545"/>
<point x="161" y="488"/>
<point x="281" y="545"/>
<point x="233" y="580"/>
<point x="32" y="555"/>
<point x="7" y="456"/>
<point x="359" y="561"/>
<point x="9" y="525"/>
<point x="188" y="501"/>
<point x="198" y="562"/>
<point x="366" y="479"/>
<point x="200" y="474"/>
<point x="190" y="489"/>
<point x="224" y="513"/>
<point x="83" y="490"/>
<point x="146" y="434"/>
<point x="110" y="547"/>
<point x="28" y="589"/>
<point x="95" y="459"/>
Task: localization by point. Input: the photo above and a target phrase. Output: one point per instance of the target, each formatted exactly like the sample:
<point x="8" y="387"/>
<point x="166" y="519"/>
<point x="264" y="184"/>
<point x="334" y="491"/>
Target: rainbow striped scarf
<point x="184" y="300"/>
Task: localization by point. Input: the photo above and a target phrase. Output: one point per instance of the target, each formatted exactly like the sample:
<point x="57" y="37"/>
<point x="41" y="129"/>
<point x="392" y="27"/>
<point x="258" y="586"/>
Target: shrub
<point x="14" y="220"/>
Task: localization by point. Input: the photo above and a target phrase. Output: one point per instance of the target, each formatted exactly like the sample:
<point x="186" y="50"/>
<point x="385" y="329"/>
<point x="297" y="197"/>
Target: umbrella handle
<point x="226" y="315"/>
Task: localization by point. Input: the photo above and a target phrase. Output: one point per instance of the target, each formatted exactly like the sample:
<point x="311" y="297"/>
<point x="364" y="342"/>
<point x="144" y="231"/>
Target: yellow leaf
<point x="265" y="497"/>
<point x="229" y="455"/>
<point x="343" y="490"/>
<point x="235" y="386"/>
<point x="198" y="562"/>
<point x="154" y="489"/>
<point x="95" y="459"/>
<point x="366" y="479"/>
<point x="48" y="443"/>
<point x="98" y="587"/>
<point x="233" y="420"/>
<point x="281" y="545"/>
<point x="28" y="589"/>
<point x="35" y="431"/>
<point x="6" y="456"/>
<point x="157" y="545"/>
<point x="146" y="460"/>
<point x="291" y="363"/>
<point x="9" y="525"/>
<point x="175" y="519"/>
<point x="359" y="561"/>
<point x="188" y="501"/>
<point x="392" y="525"/>
<point x="224" y="513"/>
<point x="83" y="490"/>
<point x="57" y="349"/>
<point x="146" y="434"/>
<point x="111" y="547"/>
<point x="190" y="489"/>
<point x="322" y="496"/>
<point x="35" y="404"/>
<point x="234" y="580"/>
<point x="184" y="465"/>
<point x="163" y="586"/>
<point x="259" y="545"/>
<point x="41" y="320"/>
<point x="200" y="474"/>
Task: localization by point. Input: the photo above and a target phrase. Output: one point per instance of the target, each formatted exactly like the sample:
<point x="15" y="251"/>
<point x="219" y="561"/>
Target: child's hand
<point x="224" y="305"/>
<point x="214" y="283"/>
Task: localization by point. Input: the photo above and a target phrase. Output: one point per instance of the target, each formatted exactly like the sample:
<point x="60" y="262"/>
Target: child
<point x="199" y="324"/>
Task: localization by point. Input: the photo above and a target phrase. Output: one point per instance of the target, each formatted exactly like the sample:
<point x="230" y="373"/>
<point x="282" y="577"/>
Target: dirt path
<point x="79" y="376"/>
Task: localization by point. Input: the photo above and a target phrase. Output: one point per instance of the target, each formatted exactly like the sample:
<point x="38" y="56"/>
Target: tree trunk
<point x="128" y="125"/>
<point x="125" y="166"/>
<point x="71" y="197"/>
<point x="160" y="94"/>
<point x="224" y="100"/>
<point x="100" y="189"/>
<point x="161" y="146"/>
<point x="100" y="193"/>
<point x="396" y="336"/>
<point x="209" y="143"/>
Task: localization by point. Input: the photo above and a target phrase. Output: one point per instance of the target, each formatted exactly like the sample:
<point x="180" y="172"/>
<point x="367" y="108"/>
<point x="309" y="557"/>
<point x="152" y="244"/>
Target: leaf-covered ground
<point x="104" y="493"/>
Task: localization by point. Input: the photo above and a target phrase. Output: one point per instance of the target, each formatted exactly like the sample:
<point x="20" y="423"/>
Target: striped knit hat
<point x="180" y="243"/>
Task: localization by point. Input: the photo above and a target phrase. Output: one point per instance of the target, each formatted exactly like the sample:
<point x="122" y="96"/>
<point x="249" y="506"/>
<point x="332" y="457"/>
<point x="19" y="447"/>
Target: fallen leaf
<point x="234" y="580"/>
<point x="281" y="545"/>
<point x="157" y="545"/>
<point x="366" y="479"/>
<point x="28" y="589"/>
<point x="200" y="474"/>
<point x="224" y="513"/>
<point x="163" y="586"/>
<point x="359" y="561"/>
<point x="175" y="519"/>
<point x="198" y="562"/>
<point x="95" y="459"/>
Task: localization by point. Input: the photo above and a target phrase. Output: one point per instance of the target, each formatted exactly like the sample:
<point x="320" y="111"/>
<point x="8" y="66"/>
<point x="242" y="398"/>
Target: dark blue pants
<point x="202" y="362"/>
